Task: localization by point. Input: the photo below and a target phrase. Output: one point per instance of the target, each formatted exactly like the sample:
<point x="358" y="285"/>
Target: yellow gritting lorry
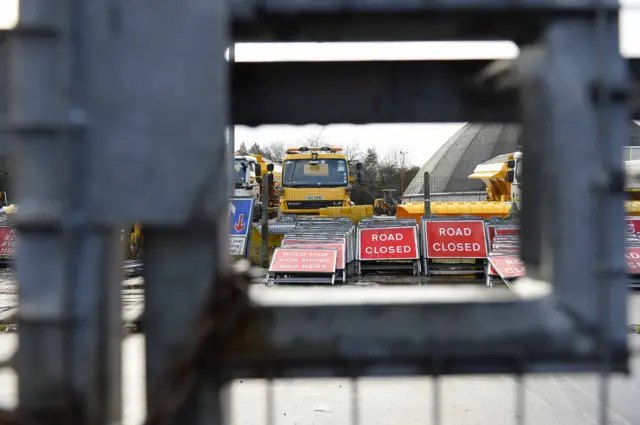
<point x="313" y="179"/>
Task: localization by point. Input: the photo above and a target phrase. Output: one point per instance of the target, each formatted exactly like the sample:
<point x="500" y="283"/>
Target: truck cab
<point x="247" y="171"/>
<point x="314" y="178"/>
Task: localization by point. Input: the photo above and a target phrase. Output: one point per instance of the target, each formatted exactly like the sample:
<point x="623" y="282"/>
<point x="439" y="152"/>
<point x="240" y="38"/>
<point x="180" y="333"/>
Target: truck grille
<point x="312" y="205"/>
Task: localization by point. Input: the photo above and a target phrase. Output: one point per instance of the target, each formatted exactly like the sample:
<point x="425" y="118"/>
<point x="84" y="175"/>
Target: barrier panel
<point x="507" y="267"/>
<point x="454" y="246"/>
<point x="632" y="257"/>
<point x="338" y="245"/>
<point x="327" y="230"/>
<point x="388" y="244"/>
<point x="8" y="242"/>
<point x="633" y="224"/>
<point x="501" y="230"/>
<point x="303" y="265"/>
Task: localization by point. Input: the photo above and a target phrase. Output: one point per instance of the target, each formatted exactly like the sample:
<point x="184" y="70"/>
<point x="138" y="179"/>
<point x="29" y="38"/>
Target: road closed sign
<point x="388" y="243"/>
<point x="632" y="256"/>
<point x="507" y="266"/>
<point x="304" y="261"/>
<point x="8" y="241"/>
<point x="455" y="239"/>
<point x="633" y="225"/>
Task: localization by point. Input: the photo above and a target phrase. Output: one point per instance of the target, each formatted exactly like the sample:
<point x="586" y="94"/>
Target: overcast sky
<point x="420" y="141"/>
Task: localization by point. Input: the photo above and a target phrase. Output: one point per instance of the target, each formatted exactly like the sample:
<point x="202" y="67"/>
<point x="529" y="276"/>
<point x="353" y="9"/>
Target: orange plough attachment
<point x="483" y="209"/>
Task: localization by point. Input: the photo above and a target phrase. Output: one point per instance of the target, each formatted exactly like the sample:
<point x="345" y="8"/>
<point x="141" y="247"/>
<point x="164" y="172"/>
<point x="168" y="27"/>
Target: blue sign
<point x="240" y="216"/>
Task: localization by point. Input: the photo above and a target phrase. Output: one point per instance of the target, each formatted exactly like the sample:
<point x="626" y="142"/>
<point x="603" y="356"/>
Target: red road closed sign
<point x="299" y="260"/>
<point x="388" y="243"/>
<point x="340" y="262"/>
<point x="632" y="256"/>
<point x="633" y="225"/>
<point x="455" y="239"/>
<point x="507" y="266"/>
<point x="8" y="241"/>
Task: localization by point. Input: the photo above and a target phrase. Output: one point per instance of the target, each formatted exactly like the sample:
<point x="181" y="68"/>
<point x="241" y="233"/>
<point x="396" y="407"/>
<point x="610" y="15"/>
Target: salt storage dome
<point x="473" y="144"/>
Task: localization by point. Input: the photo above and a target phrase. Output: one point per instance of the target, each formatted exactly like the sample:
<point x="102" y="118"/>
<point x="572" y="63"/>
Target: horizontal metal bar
<point x="370" y="92"/>
<point x="410" y="20"/>
<point x="382" y="331"/>
<point x="364" y="92"/>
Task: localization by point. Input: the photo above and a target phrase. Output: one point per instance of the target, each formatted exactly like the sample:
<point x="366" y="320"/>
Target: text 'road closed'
<point x="508" y="266"/>
<point x="455" y="239"/>
<point x="399" y="243"/>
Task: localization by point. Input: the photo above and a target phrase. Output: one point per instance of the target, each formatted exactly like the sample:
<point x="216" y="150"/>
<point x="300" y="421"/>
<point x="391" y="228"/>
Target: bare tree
<point x="392" y="158"/>
<point x="276" y="150"/>
<point x="316" y="140"/>
<point x="352" y="151"/>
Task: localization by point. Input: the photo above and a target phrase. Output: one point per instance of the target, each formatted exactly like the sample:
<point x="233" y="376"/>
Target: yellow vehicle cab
<point x="315" y="178"/>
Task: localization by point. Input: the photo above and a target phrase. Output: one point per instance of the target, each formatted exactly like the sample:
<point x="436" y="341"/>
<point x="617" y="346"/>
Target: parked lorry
<point x="315" y="178"/>
<point x="249" y="170"/>
<point x="502" y="177"/>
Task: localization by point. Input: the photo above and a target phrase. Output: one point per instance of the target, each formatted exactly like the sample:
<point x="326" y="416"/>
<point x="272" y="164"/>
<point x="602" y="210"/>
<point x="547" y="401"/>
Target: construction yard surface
<point x="568" y="399"/>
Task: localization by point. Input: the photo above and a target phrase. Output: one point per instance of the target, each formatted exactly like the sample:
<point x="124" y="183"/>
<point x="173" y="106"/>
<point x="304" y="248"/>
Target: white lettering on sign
<point x="460" y="247"/>
<point x="237" y="245"/>
<point x="448" y="231"/>
<point x="383" y="237"/>
<point x="8" y="241"/>
<point x="455" y="239"/>
<point x="387" y="249"/>
<point x="513" y="262"/>
<point x="304" y="260"/>
<point x="393" y="243"/>
<point x="632" y="255"/>
<point x="515" y="270"/>
<point x="508" y="267"/>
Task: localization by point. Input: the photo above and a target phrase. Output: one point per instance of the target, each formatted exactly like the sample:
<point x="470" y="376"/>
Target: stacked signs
<point x="454" y="246"/>
<point x="504" y="256"/>
<point x="316" y="250"/>
<point x="388" y="244"/>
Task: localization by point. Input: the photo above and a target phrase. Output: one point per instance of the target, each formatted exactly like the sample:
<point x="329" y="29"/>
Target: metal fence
<point x="118" y="112"/>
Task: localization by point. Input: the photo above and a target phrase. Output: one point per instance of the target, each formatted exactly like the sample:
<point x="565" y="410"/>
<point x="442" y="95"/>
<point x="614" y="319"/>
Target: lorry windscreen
<point x="308" y="173"/>
<point x="239" y="174"/>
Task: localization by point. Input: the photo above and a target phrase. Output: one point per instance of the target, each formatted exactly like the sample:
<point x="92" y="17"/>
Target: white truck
<point x="247" y="171"/>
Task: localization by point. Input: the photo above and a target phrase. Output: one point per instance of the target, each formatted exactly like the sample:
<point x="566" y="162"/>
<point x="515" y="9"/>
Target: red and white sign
<point x="633" y="224"/>
<point x="8" y="241"/>
<point x="298" y="260"/>
<point x="507" y="266"/>
<point x="455" y="239"/>
<point x="339" y="247"/>
<point x="494" y="230"/>
<point x="389" y="243"/>
<point x="632" y="256"/>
